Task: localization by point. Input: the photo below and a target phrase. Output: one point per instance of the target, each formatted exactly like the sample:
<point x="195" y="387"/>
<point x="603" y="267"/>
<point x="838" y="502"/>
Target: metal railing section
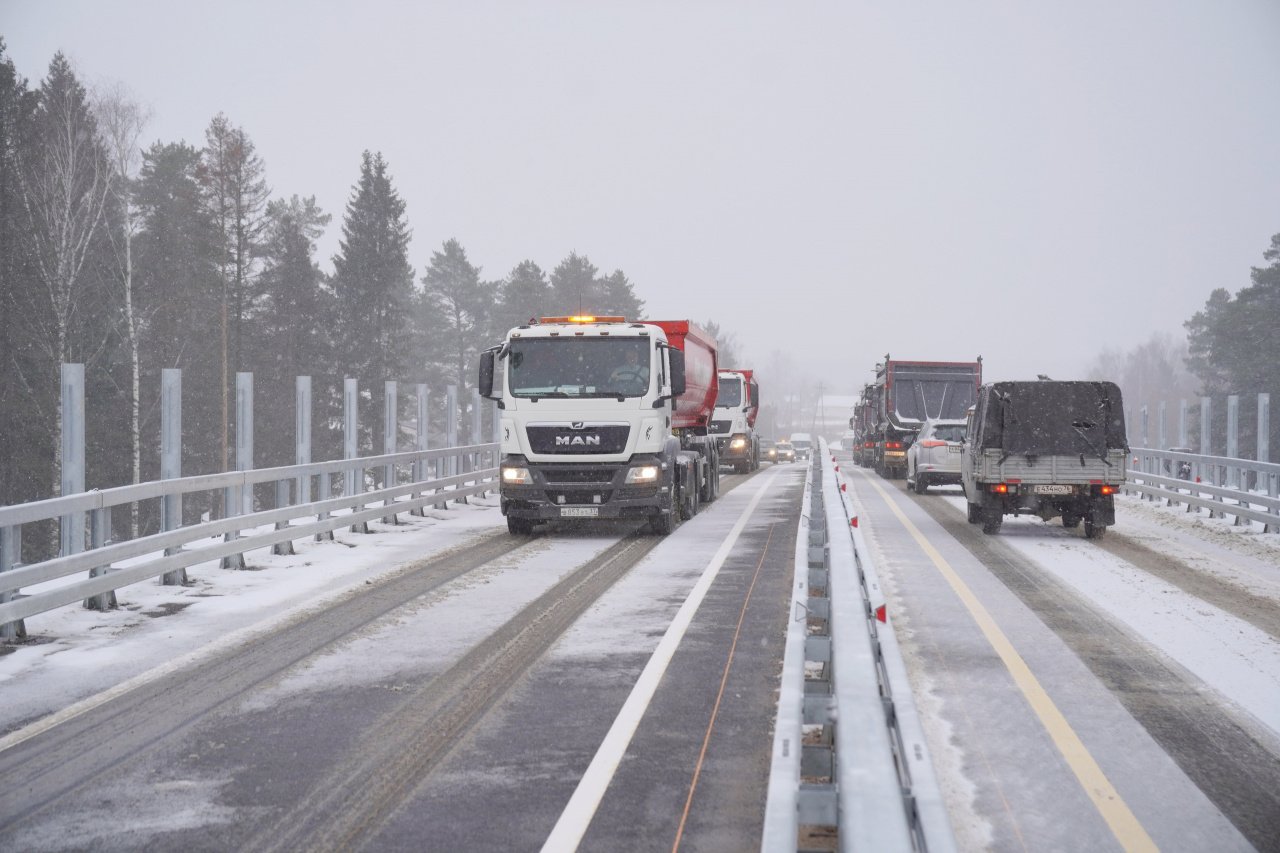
<point x="1224" y="485"/>
<point x="865" y="770"/>
<point x="165" y="548"/>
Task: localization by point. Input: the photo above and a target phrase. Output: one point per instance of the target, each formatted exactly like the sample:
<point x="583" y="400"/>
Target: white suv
<point x="934" y="457"/>
<point x="802" y="443"/>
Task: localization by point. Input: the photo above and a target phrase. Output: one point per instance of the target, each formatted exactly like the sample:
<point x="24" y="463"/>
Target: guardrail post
<point x="451" y="429"/>
<point x="238" y="500"/>
<point x="1182" y="422"/>
<point x="420" y="443"/>
<point x="10" y="558"/>
<point x="99" y="534"/>
<point x="353" y="479"/>
<point x="71" y="527"/>
<point x="1233" y="438"/>
<point x="1145" y="431"/>
<point x="1161" y="443"/>
<point x="1264" y="452"/>
<point x="476" y="432"/>
<point x="171" y="461"/>
<point x="390" y="428"/>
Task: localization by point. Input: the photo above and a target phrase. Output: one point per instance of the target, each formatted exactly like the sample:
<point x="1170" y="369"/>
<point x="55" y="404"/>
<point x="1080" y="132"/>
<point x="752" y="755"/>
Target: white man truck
<point x="734" y="421"/>
<point x="604" y="418"/>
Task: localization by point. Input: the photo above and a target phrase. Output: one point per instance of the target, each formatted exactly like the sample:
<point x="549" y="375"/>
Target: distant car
<point x="768" y="451"/>
<point x="786" y="453"/>
<point x="934" y="458"/>
<point x="849" y="441"/>
<point x="802" y="443"/>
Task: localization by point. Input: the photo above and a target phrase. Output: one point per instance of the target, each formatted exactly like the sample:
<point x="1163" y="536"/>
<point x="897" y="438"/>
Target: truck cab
<point x="600" y="418"/>
<point x="733" y="423"/>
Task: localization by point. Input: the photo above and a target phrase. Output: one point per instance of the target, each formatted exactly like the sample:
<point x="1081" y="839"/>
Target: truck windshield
<point x="730" y="396"/>
<point x="579" y="367"/>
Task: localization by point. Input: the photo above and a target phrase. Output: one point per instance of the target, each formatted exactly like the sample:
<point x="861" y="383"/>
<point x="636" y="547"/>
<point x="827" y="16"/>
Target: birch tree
<point x="121" y="120"/>
<point x="65" y="182"/>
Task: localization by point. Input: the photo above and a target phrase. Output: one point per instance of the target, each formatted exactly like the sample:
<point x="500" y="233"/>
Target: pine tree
<point x="236" y="194"/>
<point x="454" y="314"/>
<point x="619" y="297"/>
<point x="26" y="456"/>
<point x="524" y="294"/>
<point x="373" y="286"/>
<point x="179" y="287"/>
<point x="575" y="287"/>
<point x="294" y="319"/>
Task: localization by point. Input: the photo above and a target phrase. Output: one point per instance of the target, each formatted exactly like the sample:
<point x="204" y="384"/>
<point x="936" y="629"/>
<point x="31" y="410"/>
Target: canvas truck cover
<point x="1051" y="418"/>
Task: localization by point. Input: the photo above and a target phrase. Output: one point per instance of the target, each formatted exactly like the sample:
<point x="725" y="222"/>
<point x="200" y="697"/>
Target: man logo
<point x="577" y="425"/>
<point x="577" y="440"/>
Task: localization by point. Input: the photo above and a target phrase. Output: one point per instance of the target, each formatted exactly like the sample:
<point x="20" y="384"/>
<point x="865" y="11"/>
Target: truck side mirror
<point x="486" y="374"/>
<point x="852" y="425"/>
<point x="754" y="396"/>
<point x="677" y="372"/>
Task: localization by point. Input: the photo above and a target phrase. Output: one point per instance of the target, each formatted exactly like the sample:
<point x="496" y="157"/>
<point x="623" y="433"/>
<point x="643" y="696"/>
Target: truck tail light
<point x="893" y="445"/>
<point x="1000" y="488"/>
<point x="1108" y="490"/>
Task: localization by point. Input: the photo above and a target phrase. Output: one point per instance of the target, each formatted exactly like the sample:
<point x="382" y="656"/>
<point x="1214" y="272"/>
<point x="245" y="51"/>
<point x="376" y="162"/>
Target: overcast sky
<point x="1028" y="182"/>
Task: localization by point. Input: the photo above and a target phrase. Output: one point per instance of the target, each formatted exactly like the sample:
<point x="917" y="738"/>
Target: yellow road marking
<point x="1126" y="828"/>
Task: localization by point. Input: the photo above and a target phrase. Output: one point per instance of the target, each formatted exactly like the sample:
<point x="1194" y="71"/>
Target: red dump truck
<point x="604" y="418"/>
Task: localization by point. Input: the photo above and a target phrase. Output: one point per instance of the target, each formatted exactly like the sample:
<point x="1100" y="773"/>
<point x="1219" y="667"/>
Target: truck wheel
<point x="706" y="491"/>
<point x="921" y="484"/>
<point x="519" y="526"/>
<point x="1070" y="520"/>
<point x="663" y="524"/>
<point x="1092" y="530"/>
<point x="975" y="513"/>
<point x="992" y="518"/>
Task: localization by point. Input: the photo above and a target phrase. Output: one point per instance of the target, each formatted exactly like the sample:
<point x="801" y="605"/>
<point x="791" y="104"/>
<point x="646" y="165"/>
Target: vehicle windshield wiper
<point x="1102" y="454"/>
<point x="602" y="394"/>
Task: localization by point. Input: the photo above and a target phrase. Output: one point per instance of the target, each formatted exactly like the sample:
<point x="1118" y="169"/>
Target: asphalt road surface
<point x="453" y="706"/>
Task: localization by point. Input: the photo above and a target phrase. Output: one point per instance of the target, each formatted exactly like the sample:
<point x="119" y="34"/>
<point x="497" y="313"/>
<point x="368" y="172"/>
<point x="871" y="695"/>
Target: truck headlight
<point x="643" y="474"/>
<point x="738" y="443"/>
<point x="516" y="476"/>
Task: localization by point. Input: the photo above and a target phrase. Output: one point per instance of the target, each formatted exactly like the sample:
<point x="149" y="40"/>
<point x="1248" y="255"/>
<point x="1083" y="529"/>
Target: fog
<point x="832" y="181"/>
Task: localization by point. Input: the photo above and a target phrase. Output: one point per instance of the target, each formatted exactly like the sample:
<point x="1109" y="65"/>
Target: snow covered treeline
<point x="132" y="256"/>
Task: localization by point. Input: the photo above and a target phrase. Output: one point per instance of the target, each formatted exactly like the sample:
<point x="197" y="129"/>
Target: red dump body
<point x="693" y="408"/>
<point x="751" y="382"/>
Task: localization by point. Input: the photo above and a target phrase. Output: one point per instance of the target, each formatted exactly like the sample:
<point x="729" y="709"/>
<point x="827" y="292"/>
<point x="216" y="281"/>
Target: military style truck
<point x="1048" y="449"/>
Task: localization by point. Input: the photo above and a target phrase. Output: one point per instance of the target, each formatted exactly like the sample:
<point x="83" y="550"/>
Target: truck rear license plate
<point x="1054" y="490"/>
<point x="579" y="512"/>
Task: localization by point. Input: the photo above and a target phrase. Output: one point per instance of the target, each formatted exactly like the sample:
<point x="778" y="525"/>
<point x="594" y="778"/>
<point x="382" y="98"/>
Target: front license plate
<point x="1054" y="490"/>
<point x="579" y="512"/>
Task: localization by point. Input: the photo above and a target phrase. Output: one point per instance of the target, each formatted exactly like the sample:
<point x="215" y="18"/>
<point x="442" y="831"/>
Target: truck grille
<point x="609" y="438"/>
<point x="578" y="475"/>
<point x="720" y="427"/>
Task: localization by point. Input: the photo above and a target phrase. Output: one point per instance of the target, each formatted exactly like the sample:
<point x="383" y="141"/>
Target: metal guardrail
<point x="166" y="547"/>
<point x="1242" y="488"/>
<point x="869" y="774"/>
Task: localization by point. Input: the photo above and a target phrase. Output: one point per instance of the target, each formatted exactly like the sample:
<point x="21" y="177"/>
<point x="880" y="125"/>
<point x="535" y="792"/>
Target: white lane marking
<point x="576" y="817"/>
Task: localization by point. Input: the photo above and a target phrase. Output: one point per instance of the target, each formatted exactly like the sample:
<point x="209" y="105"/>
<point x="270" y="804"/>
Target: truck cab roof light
<point x="583" y="319"/>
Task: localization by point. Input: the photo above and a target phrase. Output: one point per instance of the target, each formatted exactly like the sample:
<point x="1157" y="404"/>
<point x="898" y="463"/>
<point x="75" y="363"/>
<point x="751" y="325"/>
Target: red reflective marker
<point x="842" y="485"/>
<point x="854" y="521"/>
<point x="880" y="614"/>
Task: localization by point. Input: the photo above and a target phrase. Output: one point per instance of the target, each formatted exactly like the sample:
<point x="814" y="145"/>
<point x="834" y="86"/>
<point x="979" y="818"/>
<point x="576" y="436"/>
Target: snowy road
<point x="1159" y="648"/>
<point x="452" y="703"/>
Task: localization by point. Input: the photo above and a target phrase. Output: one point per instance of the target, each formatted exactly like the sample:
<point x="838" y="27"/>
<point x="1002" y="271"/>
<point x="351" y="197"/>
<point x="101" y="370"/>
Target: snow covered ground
<point x="73" y="653"/>
<point x="1239" y="660"/>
